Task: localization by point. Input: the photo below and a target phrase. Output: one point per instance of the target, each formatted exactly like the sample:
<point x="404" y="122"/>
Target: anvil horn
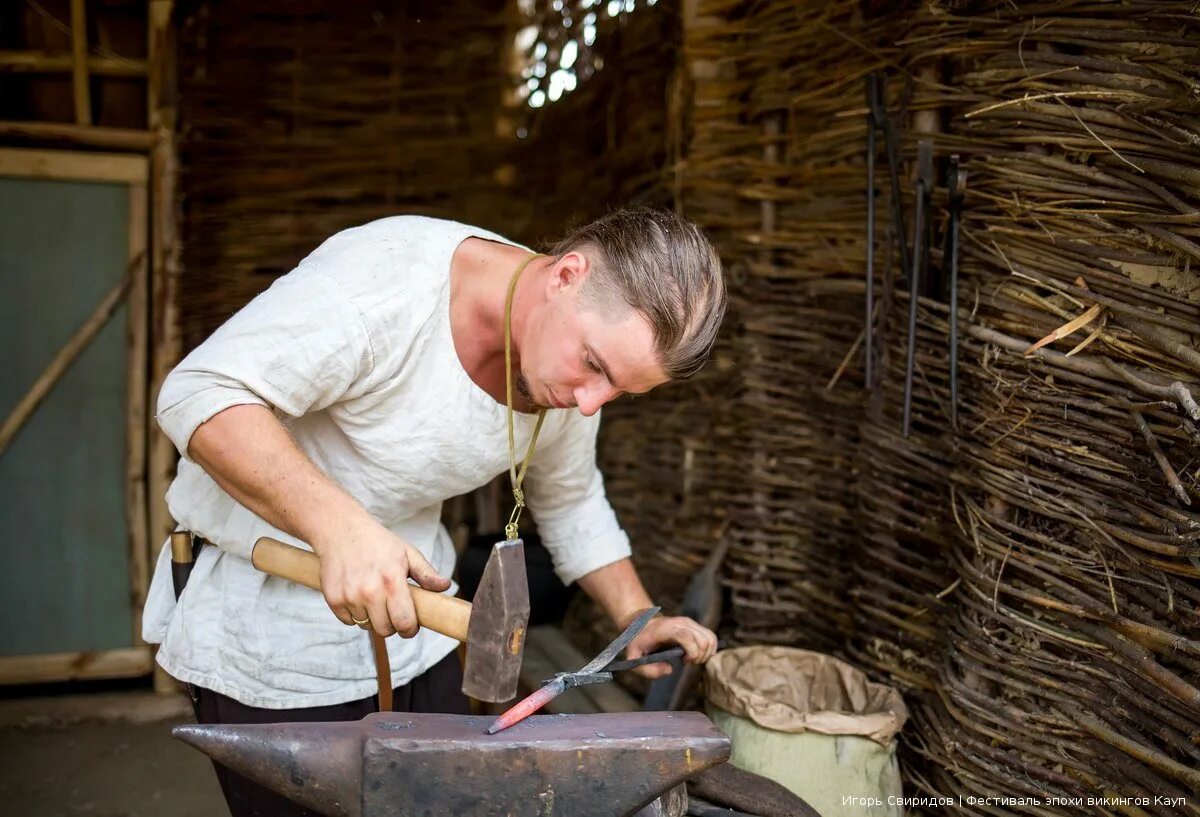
<point x="320" y="769"/>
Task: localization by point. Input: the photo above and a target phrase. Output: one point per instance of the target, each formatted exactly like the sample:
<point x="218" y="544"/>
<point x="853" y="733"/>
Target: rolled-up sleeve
<point x="300" y="346"/>
<point x="565" y="492"/>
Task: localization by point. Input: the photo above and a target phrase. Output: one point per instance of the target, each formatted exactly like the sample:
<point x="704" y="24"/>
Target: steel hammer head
<point x="496" y="632"/>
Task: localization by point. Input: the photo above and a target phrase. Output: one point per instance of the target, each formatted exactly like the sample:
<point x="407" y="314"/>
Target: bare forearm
<point x="617" y="588"/>
<point x="253" y="458"/>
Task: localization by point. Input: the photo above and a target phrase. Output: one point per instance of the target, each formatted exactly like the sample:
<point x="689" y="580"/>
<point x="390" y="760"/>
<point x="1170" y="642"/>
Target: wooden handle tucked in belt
<point x="443" y="614"/>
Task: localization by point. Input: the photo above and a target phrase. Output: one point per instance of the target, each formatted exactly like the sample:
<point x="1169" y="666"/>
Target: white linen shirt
<point x="352" y="351"/>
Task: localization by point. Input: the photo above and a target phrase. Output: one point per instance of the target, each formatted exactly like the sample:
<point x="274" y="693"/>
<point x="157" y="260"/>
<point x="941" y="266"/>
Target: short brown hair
<point x="662" y="266"/>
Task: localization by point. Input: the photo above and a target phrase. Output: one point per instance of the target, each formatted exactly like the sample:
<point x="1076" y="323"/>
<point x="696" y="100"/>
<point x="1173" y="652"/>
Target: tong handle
<point x="652" y="658"/>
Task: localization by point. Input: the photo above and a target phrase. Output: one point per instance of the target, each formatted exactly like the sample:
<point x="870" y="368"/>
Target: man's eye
<point x="591" y="364"/>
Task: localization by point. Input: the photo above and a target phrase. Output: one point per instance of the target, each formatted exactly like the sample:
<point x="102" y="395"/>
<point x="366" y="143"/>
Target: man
<point x="343" y="405"/>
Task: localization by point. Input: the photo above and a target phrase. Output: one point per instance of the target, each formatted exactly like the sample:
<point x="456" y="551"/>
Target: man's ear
<point x="569" y="272"/>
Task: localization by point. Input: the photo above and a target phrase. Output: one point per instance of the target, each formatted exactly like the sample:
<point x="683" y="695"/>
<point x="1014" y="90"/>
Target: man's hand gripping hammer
<point x="493" y="627"/>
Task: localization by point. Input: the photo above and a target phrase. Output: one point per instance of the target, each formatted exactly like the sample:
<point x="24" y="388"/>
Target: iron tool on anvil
<point x="342" y="406"/>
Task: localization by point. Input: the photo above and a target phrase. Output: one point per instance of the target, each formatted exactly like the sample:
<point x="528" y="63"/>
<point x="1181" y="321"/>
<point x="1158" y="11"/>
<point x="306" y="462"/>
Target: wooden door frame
<point x="133" y="171"/>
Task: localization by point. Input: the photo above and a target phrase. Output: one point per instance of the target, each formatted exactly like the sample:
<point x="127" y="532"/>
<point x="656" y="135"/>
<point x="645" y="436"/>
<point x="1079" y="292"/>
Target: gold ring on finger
<point x="360" y="623"/>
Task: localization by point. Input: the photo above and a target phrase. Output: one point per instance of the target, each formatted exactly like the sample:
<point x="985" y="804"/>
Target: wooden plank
<point x="44" y="62"/>
<point x="88" y="136"/>
<point x="79" y="68"/>
<point x="66" y="165"/>
<point x="136" y="418"/>
<point x="165" y="344"/>
<point x="562" y="656"/>
<point x="130" y="662"/>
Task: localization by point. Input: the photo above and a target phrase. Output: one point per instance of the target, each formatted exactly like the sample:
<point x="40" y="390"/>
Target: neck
<point x="480" y="275"/>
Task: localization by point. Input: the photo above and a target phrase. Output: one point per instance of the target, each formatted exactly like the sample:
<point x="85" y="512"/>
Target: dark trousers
<point x="437" y="690"/>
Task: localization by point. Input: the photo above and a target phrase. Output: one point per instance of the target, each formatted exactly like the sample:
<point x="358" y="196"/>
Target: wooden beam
<point x="44" y="62"/>
<point x="63" y="360"/>
<point x="130" y="662"/>
<point x="165" y="344"/>
<point x="79" y="68"/>
<point x="73" y="166"/>
<point x="136" y="418"/>
<point x="81" y="135"/>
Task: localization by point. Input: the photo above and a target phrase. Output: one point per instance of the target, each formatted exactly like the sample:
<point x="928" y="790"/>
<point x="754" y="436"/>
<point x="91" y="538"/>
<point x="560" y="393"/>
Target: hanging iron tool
<point x="878" y="119"/>
<point x="956" y="185"/>
<point x="597" y="671"/>
<point x="924" y="187"/>
<point x="869" y="321"/>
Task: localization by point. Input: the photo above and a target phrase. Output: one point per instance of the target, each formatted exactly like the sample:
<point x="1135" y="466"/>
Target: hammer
<point x="493" y="628"/>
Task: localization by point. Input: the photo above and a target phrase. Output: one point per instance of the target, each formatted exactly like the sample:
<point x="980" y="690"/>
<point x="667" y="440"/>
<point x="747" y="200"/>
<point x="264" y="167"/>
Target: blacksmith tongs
<point x="878" y="119"/>
<point x="597" y="671"/>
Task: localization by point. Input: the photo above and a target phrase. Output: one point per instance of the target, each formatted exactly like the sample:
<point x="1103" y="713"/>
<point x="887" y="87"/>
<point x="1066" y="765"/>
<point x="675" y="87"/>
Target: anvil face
<point x="403" y="765"/>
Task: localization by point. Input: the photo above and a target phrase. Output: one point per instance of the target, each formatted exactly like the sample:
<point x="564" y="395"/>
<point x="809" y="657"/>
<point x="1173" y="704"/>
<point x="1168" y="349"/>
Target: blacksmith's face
<point x="579" y="354"/>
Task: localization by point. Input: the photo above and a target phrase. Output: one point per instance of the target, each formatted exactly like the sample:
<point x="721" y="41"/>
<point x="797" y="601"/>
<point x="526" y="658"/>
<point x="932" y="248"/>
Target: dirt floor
<point x="102" y="755"/>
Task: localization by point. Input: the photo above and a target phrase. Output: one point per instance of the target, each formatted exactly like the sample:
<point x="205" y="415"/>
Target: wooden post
<point x="165" y="344"/>
<point x="135" y="414"/>
<point x="79" y="68"/>
<point x="139" y="141"/>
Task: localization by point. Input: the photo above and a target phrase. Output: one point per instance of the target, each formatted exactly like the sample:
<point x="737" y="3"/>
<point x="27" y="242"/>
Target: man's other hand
<point x="698" y="642"/>
<point x="364" y="576"/>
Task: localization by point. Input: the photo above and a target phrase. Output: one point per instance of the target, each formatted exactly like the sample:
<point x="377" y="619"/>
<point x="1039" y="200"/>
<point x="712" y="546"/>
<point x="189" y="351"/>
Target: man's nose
<point x="589" y="399"/>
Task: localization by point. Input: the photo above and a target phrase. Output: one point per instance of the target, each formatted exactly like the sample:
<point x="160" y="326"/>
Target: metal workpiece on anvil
<point x="393" y="764"/>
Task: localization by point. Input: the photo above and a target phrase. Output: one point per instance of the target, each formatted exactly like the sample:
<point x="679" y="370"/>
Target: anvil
<point x="394" y="764"/>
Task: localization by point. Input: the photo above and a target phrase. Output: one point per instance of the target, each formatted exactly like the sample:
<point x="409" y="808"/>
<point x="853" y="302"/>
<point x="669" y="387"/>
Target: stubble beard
<point x="521" y="384"/>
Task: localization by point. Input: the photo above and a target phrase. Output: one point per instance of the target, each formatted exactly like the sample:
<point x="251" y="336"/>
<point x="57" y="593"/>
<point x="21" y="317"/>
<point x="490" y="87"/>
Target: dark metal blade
<point x="620" y="642"/>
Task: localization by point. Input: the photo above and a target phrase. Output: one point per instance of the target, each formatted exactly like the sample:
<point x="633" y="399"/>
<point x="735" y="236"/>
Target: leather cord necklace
<point x="517" y="477"/>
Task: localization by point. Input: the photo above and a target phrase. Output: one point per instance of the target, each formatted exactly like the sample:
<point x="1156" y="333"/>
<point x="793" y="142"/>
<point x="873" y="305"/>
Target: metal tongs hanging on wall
<point x="878" y="120"/>
<point x="915" y="267"/>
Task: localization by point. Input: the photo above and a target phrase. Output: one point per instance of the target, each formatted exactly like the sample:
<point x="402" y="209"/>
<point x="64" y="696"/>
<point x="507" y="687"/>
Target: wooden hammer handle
<point x="442" y="614"/>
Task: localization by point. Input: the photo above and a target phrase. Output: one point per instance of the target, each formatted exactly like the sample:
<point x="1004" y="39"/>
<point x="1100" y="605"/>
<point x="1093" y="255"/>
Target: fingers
<point x="423" y="573"/>
<point x="698" y="643"/>
<point x="400" y="608"/>
<point x="653" y="671"/>
<point x="359" y="617"/>
<point x="693" y="646"/>
<point x="368" y="587"/>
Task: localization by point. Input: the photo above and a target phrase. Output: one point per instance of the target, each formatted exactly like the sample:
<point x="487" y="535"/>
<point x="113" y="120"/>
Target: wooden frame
<point x="63" y="165"/>
<point x="129" y="662"/>
<point x="132" y="171"/>
<point x="145" y="160"/>
<point x="166" y="346"/>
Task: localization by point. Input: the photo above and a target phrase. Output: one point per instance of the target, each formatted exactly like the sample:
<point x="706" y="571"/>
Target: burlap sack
<point x="792" y="690"/>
